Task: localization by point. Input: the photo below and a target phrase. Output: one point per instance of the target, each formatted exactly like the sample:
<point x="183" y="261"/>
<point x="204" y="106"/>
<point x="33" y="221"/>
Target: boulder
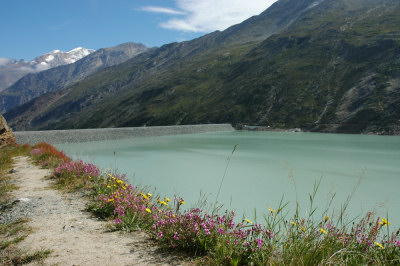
<point x="6" y="134"/>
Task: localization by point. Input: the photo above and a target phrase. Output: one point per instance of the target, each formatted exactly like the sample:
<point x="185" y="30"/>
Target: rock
<point x="24" y="200"/>
<point x="6" y="134"/>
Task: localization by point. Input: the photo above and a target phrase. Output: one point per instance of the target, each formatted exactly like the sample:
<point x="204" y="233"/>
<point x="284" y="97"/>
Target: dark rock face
<point x="6" y="134"/>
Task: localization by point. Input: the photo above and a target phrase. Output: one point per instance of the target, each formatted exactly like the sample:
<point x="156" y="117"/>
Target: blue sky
<point x="29" y="28"/>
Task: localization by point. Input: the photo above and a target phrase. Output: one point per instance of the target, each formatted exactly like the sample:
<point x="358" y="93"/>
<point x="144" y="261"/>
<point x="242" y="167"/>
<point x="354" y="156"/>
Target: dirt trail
<point x="61" y="224"/>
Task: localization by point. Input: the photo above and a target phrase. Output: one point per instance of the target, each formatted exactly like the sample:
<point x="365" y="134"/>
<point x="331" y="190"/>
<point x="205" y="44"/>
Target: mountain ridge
<point x="11" y="69"/>
<point x="331" y="67"/>
<point x="35" y="84"/>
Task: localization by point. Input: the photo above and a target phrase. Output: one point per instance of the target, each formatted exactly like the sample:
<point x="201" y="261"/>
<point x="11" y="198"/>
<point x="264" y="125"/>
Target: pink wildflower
<point x="259" y="243"/>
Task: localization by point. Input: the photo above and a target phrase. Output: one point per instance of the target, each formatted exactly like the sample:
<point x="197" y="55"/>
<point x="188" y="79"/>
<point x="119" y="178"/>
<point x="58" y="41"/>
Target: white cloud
<point x="40" y="67"/>
<point x="165" y="10"/>
<point x="4" y="61"/>
<point x="210" y="15"/>
<point x="26" y="69"/>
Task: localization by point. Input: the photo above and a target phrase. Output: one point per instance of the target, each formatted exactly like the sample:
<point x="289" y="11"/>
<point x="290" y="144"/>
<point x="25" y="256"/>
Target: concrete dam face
<point x="98" y="134"/>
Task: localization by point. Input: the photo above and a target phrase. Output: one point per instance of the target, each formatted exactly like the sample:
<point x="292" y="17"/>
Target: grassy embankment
<point x="13" y="233"/>
<point x="215" y="237"/>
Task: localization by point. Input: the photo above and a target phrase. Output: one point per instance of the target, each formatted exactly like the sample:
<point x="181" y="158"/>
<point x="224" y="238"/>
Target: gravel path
<point x="61" y="224"/>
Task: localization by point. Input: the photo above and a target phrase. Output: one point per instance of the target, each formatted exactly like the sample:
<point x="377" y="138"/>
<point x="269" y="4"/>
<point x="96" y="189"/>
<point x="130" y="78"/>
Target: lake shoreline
<point x="98" y="134"/>
<point x="295" y="130"/>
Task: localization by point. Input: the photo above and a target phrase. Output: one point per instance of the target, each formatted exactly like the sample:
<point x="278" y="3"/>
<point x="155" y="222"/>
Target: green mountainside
<point x="328" y="65"/>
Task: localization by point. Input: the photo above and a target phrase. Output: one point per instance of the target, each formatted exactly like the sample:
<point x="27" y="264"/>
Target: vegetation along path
<point x="61" y="224"/>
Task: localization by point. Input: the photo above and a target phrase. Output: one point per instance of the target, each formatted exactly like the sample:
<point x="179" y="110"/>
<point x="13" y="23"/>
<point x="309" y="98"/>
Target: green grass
<point x="37" y="256"/>
<point x="13" y="233"/>
<point x="10" y="236"/>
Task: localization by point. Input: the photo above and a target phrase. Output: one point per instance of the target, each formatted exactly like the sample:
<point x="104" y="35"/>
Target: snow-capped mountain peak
<point x="15" y="69"/>
<point x="57" y="58"/>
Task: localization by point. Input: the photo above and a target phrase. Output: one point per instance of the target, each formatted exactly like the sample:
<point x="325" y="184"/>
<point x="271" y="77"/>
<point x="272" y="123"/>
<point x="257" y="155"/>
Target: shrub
<point x="47" y="156"/>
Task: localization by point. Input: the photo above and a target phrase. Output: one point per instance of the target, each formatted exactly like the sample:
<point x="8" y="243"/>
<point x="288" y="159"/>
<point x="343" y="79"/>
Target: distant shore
<point x="99" y="134"/>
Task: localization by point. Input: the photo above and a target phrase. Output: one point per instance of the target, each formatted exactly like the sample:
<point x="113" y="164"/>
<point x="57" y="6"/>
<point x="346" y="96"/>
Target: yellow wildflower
<point x="182" y="202"/>
<point x="167" y="199"/>
<point x="110" y="200"/>
<point x="148" y="210"/>
<point x="379" y="245"/>
<point x="384" y="222"/>
<point x="247" y="220"/>
<point x="164" y="203"/>
<point x="149" y="195"/>
<point x="293" y="223"/>
<point x="108" y="186"/>
<point x="303" y="229"/>
<point x="144" y="196"/>
<point x="90" y="177"/>
<point x="323" y="231"/>
<point x="326" y="218"/>
<point x="271" y="210"/>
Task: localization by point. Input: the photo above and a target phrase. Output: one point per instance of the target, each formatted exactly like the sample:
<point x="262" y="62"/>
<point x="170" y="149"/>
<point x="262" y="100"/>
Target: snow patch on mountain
<point x="58" y="58"/>
<point x="49" y="58"/>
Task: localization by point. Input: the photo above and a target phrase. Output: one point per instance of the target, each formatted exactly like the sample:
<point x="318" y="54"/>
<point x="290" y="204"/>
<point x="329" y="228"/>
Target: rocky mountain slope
<point x="325" y="65"/>
<point x="36" y="84"/>
<point x="12" y="70"/>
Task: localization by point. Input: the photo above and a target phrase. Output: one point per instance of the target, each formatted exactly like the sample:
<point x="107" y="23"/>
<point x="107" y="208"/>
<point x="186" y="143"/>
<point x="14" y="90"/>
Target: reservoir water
<point x="264" y="167"/>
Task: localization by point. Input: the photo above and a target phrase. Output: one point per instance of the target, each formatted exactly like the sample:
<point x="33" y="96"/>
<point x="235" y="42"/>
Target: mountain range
<point x="36" y="84"/>
<point x="321" y="65"/>
<point x="11" y="69"/>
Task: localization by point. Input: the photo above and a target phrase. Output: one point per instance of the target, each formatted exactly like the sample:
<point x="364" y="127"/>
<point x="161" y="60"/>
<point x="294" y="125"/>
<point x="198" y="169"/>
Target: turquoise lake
<point x="264" y="167"/>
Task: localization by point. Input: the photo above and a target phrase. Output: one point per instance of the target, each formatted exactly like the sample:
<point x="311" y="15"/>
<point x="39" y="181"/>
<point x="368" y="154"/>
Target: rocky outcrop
<point x="6" y="134"/>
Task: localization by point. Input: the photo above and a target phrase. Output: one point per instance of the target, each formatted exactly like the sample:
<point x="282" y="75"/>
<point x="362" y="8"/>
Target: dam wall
<point x="98" y="134"/>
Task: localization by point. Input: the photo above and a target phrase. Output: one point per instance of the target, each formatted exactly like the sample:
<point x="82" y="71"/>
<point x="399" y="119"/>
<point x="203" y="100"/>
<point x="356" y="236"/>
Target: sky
<point x="29" y="28"/>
